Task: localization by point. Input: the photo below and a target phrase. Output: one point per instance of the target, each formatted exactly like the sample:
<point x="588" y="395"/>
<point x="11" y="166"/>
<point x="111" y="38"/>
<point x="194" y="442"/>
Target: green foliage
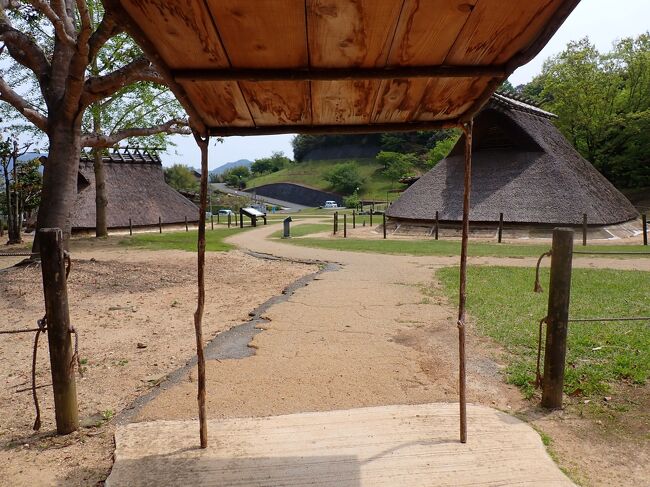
<point x="344" y="178"/>
<point x="28" y="184"/>
<point x="303" y="144"/>
<point x="506" y="309"/>
<point x="214" y="240"/>
<point x="602" y="100"/>
<point x="271" y="164"/>
<point x="441" y="150"/>
<point x="396" y="165"/>
<point x="352" y="201"/>
<point x="237" y="176"/>
<point x="181" y="177"/>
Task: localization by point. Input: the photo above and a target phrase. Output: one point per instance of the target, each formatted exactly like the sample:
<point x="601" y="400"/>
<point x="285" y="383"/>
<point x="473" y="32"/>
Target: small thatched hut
<point x="522" y="167"/>
<point x="136" y="189"/>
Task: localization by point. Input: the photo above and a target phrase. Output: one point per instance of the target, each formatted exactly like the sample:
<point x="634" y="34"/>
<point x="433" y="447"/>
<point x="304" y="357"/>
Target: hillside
<point x="229" y="165"/>
<point x="311" y="173"/>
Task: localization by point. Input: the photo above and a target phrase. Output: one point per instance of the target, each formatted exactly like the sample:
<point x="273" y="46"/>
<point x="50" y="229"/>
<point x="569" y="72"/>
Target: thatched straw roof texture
<point x="522" y="167"/>
<point x="135" y="190"/>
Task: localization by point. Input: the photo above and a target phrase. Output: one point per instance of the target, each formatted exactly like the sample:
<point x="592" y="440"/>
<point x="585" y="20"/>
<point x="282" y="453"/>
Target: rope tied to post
<point x="538" y="287"/>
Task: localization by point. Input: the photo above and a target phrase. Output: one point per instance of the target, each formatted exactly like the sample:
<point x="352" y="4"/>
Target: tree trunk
<point x="101" y="200"/>
<point x="5" y="167"/>
<point x="60" y="177"/>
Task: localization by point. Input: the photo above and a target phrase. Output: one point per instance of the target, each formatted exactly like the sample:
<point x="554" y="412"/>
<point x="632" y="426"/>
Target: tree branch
<point x="106" y="29"/>
<point x="57" y="22"/>
<point x="19" y="103"/>
<point x="24" y="50"/>
<point x="99" y="87"/>
<point x="175" y="126"/>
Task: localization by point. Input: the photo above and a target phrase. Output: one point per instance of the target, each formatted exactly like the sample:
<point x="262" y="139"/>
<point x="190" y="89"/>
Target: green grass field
<point x="310" y="173"/>
<point x="504" y="307"/>
<point x="448" y="247"/>
<point x="304" y="229"/>
<point x="214" y="240"/>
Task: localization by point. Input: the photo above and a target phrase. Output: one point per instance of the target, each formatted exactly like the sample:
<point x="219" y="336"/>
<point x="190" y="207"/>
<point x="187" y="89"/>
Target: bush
<point x="181" y="177"/>
<point x="352" y="201"/>
<point x="345" y="178"/>
<point x="270" y="164"/>
<point x="237" y="176"/>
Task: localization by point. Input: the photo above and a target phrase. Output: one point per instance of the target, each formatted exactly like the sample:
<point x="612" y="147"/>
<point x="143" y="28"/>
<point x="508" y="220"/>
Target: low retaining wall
<point x="295" y="193"/>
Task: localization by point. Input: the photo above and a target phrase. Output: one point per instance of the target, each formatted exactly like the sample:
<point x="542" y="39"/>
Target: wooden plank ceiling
<point x="268" y="66"/>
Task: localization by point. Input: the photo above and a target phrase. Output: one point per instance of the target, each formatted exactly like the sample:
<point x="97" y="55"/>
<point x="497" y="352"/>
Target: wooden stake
<point x="198" y="315"/>
<point x="384" y="223"/>
<point x="467" y="129"/>
<point x="211" y="221"/>
<point x="187" y="229"/>
<point x="160" y="224"/>
<point x="584" y="230"/>
<point x="345" y="225"/>
<point x="500" y="233"/>
<point x="371" y="212"/>
<point x="229" y="219"/>
<point x="58" y="330"/>
<point x="354" y="219"/>
<point x="130" y="227"/>
<point x="557" y="318"/>
<point x="437" y="228"/>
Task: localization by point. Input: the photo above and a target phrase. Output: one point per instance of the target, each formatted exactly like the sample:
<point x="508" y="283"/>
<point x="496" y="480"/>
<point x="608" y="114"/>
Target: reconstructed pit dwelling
<point x="523" y="167"/>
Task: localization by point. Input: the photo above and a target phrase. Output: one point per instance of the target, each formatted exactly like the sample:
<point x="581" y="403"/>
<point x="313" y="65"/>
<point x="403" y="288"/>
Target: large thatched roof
<point x="136" y="189"/>
<point x="523" y="167"/>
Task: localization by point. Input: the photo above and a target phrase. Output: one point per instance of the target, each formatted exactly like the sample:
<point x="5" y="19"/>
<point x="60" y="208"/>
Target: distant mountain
<point x="229" y="165"/>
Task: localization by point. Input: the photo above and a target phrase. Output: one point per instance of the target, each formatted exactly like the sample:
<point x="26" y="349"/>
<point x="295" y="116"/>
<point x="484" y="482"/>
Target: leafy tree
<point x="237" y="176"/>
<point x="441" y="150"/>
<point x="344" y="178"/>
<point x="352" y="201"/>
<point x="57" y="70"/>
<point x="274" y="163"/>
<point x="181" y="178"/>
<point x="396" y="165"/>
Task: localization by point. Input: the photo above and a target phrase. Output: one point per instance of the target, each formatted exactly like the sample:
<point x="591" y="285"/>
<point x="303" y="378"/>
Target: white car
<point x="330" y="204"/>
<point x="226" y="212"/>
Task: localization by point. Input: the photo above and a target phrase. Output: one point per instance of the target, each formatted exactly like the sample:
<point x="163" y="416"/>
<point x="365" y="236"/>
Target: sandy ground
<point x="363" y="335"/>
<point x="133" y="310"/>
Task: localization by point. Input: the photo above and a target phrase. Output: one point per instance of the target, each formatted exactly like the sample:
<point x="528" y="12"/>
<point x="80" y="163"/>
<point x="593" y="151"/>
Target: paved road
<point x="290" y="207"/>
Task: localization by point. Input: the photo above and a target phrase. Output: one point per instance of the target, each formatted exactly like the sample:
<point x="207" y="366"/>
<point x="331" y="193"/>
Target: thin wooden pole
<point x="462" y="301"/>
<point x="345" y="226"/>
<point x="159" y="224"/>
<point x="198" y="315"/>
<point x="384" y="223"/>
<point x="58" y="330"/>
<point x="211" y="221"/>
<point x="644" y="221"/>
<point x="584" y="230"/>
<point x="557" y="318"/>
<point x="371" y="212"/>
<point x="187" y="229"/>
<point x="229" y="219"/>
<point x="500" y="232"/>
<point x="437" y="228"/>
<point x="336" y="215"/>
<point x="130" y="227"/>
<point x="354" y="219"/>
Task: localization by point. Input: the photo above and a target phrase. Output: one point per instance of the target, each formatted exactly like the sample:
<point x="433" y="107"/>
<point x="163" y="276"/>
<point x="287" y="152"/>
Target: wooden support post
<point x="371" y="212"/>
<point x="557" y="318"/>
<point x="58" y="330"/>
<point x="584" y="230"/>
<point x="229" y="219"/>
<point x="187" y="228"/>
<point x="500" y="232"/>
<point x="384" y="223"/>
<point x="345" y="226"/>
<point x="217" y="218"/>
<point x="336" y="216"/>
<point x="462" y="300"/>
<point x="241" y="219"/>
<point x="644" y="221"/>
<point x="211" y="221"/>
<point x="203" y="143"/>
<point x="354" y="219"/>
<point x="130" y="227"/>
<point x="437" y="227"/>
<point x="159" y="224"/>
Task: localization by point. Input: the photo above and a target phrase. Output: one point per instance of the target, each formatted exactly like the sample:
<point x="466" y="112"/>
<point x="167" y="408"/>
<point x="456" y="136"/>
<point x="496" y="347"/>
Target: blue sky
<point x="603" y="21"/>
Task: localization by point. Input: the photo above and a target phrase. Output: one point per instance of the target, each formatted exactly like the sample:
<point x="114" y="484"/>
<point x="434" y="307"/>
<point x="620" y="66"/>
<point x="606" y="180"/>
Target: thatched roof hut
<point x="522" y="167"/>
<point x="136" y="189"/>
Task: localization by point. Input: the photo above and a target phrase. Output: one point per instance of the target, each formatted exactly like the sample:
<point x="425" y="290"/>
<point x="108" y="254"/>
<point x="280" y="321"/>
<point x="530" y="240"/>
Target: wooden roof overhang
<point x="257" y="67"/>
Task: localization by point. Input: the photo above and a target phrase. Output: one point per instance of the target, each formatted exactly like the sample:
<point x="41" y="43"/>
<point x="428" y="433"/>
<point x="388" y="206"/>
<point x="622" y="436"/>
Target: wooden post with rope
<point x="462" y="298"/>
<point x="57" y="315"/>
<point x="203" y="143"/>
<point x="557" y="318"/>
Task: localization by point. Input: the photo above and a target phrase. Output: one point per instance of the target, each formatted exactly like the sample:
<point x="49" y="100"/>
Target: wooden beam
<point x="372" y="128"/>
<point x="335" y="74"/>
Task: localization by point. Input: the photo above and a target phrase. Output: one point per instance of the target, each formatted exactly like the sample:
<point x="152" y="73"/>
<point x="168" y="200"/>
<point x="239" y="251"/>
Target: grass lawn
<point x="448" y="247"/>
<point x="304" y="229"/>
<point x="502" y="302"/>
<point x="184" y="240"/>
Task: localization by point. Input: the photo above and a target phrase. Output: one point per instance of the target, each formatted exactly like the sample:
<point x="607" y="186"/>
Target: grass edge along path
<point x="181" y="240"/>
<point x="452" y="247"/>
<point x="504" y="307"/>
